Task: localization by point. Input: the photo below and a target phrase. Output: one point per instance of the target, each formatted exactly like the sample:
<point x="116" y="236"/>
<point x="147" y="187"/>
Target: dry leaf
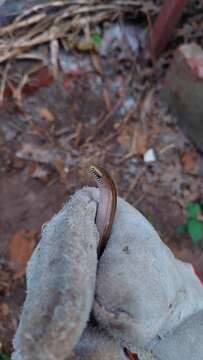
<point x="62" y="170"/>
<point x="21" y="246"/>
<point x="130" y="355"/>
<point x="146" y="105"/>
<point x="5" y="309"/>
<point x="189" y="160"/>
<point x="41" y="78"/>
<point x="107" y="100"/>
<point x="142" y="143"/>
<point x="134" y="140"/>
<point x="46" y="114"/>
<point x="38" y="172"/>
<point x="125" y="138"/>
<point x="96" y="63"/>
<point x="85" y="45"/>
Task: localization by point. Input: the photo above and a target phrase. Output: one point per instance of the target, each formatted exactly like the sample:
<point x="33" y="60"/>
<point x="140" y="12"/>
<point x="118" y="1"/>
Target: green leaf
<point x="182" y="229"/>
<point x="195" y="229"/>
<point x="193" y="209"/>
<point x="4" y="357"/>
<point x="96" y="38"/>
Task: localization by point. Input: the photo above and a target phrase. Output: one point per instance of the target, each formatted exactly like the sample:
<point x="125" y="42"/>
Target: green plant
<point x="96" y="38"/>
<point x="4" y="357"/>
<point x="193" y="225"/>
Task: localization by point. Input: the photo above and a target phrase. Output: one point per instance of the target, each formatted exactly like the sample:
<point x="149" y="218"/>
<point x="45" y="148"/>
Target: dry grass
<point x="57" y="23"/>
<point x="61" y="23"/>
<point x="58" y="20"/>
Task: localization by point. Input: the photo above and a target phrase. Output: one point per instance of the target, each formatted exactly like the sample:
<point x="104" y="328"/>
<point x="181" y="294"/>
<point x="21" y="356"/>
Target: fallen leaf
<point x="19" y="164"/>
<point x="189" y="160"/>
<point x="141" y="143"/>
<point x="96" y="63"/>
<point x="107" y="100"/>
<point x="130" y="355"/>
<point x="62" y="170"/>
<point x="41" y="78"/>
<point x="134" y="140"/>
<point x="46" y="114"/>
<point x="5" y="309"/>
<point x="68" y="83"/>
<point x="85" y="45"/>
<point x="146" y="105"/>
<point x="21" y="247"/>
<point x="125" y="138"/>
<point x="40" y="173"/>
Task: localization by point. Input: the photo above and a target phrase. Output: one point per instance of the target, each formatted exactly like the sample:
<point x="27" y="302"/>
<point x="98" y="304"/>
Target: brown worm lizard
<point x="107" y="204"/>
<point x="105" y="214"/>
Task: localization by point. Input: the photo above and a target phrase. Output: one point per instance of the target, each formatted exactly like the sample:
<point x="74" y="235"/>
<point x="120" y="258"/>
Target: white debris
<point x="39" y="173"/>
<point x="120" y="37"/>
<point x="71" y="64"/>
<point x="149" y="156"/>
<point x="128" y="104"/>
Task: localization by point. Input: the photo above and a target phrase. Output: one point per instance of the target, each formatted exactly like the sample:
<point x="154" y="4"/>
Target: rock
<point x="149" y="156"/>
<point x="184" y="90"/>
<point x="121" y="37"/>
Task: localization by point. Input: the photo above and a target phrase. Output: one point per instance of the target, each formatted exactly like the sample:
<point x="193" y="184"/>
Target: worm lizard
<point x="107" y="204"/>
<point x="105" y="213"/>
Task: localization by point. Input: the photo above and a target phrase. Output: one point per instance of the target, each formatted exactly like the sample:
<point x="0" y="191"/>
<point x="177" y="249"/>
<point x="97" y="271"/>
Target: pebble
<point x="149" y="156"/>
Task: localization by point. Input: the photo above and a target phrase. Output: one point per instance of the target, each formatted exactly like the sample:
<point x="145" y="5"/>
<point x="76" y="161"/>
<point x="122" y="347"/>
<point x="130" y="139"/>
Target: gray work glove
<point x="138" y="296"/>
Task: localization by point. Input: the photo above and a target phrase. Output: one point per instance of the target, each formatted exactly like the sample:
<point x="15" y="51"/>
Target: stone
<point x="149" y="156"/>
<point x="183" y="90"/>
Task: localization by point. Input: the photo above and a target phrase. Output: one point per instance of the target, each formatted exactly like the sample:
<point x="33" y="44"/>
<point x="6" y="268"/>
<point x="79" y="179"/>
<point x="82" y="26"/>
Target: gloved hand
<point x="137" y="297"/>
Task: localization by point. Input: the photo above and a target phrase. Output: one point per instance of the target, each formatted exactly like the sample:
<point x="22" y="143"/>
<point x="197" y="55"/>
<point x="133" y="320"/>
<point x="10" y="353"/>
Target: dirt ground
<point x="108" y="112"/>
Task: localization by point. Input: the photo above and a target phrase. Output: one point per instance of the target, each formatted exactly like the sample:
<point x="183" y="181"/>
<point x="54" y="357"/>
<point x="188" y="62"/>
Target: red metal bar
<point x="163" y="28"/>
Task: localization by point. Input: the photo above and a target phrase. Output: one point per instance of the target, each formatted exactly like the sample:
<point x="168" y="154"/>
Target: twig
<point x="37" y="8"/>
<point x="54" y="50"/>
<point x="32" y="56"/>
<point x="17" y="93"/>
<point x="78" y="13"/>
<point x="15" y="26"/>
<point x="126" y="157"/>
<point x="3" y="82"/>
<point x="134" y="184"/>
<point x="109" y="115"/>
